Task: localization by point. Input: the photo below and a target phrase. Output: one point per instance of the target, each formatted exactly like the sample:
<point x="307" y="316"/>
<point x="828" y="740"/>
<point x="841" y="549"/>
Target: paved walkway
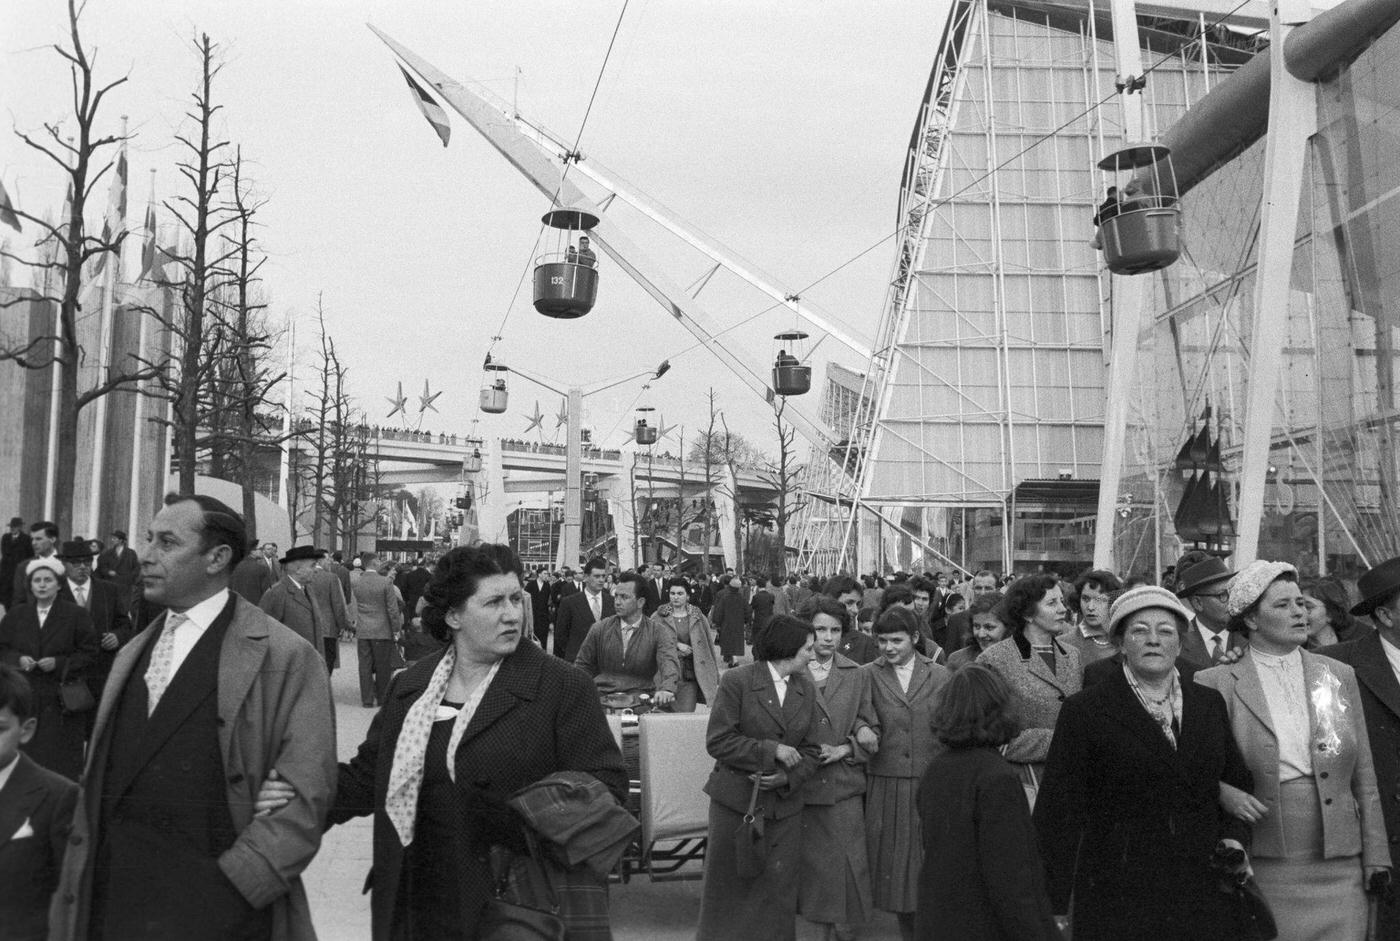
<point x="641" y="910"/>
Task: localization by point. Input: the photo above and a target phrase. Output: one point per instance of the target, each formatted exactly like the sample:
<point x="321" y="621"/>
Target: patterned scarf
<point x="1166" y="714"/>
<point x="410" y="751"/>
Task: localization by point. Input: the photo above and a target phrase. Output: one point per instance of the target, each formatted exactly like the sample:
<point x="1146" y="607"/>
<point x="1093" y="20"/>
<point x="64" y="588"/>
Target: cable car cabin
<point x="1140" y="221"/>
<point x="566" y="282"/>
<point x="790" y="375"/>
<point x="644" y="433"/>
<point x="471" y="463"/>
<point x="494" y="395"/>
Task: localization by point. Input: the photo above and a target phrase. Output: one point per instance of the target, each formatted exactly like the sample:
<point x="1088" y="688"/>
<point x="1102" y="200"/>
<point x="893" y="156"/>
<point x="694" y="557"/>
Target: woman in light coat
<point x="1318" y="832"/>
<point x="696" y="646"/>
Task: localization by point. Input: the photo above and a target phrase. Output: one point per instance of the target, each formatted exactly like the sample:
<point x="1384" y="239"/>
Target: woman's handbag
<point x="750" y="848"/>
<point x="505" y="920"/>
<point x="74" y="695"/>
<point x="1250" y="915"/>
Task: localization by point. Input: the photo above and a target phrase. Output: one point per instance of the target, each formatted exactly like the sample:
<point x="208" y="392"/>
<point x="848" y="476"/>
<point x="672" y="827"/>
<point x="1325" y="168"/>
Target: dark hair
<point x="48" y="529"/>
<point x="593" y="564"/>
<point x="456" y="577"/>
<point x="1333" y="595"/>
<point x="821" y="604"/>
<point x="986" y="603"/>
<point x="638" y="582"/>
<point x="677" y="583"/>
<point x="949" y="600"/>
<point x="782" y="638"/>
<point x="221" y="525"/>
<point x="16" y="694"/>
<point x="896" y="620"/>
<point x="865" y="615"/>
<point x="1099" y="579"/>
<point x="839" y="585"/>
<point x="984" y="573"/>
<point x="898" y="593"/>
<point x="1237" y="623"/>
<point x="975" y="708"/>
<point x="923" y="583"/>
<point x="1023" y="596"/>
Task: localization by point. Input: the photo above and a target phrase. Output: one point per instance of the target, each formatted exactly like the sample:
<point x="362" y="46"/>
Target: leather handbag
<point x="505" y="919"/>
<point x="750" y="848"/>
<point x="75" y="695"/>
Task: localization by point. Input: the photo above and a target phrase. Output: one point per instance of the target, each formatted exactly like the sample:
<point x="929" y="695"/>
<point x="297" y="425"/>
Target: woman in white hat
<point x="1128" y="813"/>
<point x="1318" y="833"/>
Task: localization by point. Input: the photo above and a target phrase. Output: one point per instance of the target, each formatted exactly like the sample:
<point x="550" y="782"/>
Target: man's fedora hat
<point x="75" y="549"/>
<point x="297" y="553"/>
<point x="1202" y="574"/>
<point x="119" y="534"/>
<point x="16" y="521"/>
<point x="1376" y="586"/>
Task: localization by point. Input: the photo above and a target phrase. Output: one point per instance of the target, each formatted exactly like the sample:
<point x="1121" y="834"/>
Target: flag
<point x="430" y="108"/>
<point x="115" y="221"/>
<point x="148" y="247"/>
<point x="7" y="210"/>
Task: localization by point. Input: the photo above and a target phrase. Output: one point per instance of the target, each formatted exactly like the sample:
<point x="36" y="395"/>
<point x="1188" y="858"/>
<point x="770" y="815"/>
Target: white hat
<point x="50" y="563"/>
<point x="1252" y="581"/>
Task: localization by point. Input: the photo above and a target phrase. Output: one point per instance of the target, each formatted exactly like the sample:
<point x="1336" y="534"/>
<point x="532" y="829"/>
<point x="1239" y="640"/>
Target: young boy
<point x="36" y="812"/>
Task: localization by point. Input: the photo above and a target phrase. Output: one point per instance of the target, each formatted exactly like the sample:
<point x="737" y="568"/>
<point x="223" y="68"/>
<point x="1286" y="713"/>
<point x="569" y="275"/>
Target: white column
<point x="573" y="483"/>
<point x="1129" y="292"/>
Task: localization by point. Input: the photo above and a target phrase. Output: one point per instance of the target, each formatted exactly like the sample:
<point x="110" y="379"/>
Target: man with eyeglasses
<point x="1202" y="587"/>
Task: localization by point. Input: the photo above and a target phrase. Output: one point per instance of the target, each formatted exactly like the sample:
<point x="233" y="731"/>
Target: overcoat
<point x="293" y="605"/>
<point x="844" y="706"/>
<point x="696" y="633"/>
<point x="1041" y="691"/>
<point x="68" y="637"/>
<point x="982" y="879"/>
<point x="730" y="616"/>
<point x="902" y="718"/>
<point x="538" y="716"/>
<point x="1127" y="823"/>
<point x="274" y="706"/>
<point x="252" y="577"/>
<point x="762" y="606"/>
<point x="1380" y="701"/>
<point x="377" y="615"/>
<point x="1344" y="776"/>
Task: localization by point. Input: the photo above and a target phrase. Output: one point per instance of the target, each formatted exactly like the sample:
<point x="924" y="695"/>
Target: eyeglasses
<point x="1217" y="595"/>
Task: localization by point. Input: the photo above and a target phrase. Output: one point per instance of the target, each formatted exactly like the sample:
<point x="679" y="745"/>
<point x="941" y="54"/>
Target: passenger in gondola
<point x="586" y="257"/>
<point x="1109" y="208"/>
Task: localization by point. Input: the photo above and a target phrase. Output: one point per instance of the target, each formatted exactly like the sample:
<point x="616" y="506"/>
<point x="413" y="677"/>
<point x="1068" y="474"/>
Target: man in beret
<point x="1376" y="659"/>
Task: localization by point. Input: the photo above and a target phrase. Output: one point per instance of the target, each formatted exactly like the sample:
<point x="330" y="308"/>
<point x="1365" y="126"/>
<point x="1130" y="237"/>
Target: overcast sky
<point x="777" y="128"/>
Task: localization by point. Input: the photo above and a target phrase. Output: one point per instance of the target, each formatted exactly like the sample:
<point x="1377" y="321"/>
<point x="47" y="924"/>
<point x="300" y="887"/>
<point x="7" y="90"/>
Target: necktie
<point x="1217" y="650"/>
<point x="80" y="593"/>
<point x="162" y="665"/>
<point x="595" y="603"/>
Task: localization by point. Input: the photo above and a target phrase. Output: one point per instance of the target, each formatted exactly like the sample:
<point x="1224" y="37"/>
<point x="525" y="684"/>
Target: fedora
<point x="16" y="521"/>
<point x="297" y="553"/>
<point x="1376" y="586"/>
<point x="1203" y="573"/>
<point x="75" y="549"/>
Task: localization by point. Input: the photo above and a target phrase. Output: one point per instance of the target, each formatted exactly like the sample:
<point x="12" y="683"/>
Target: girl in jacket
<point x="695" y="645"/>
<point x="761" y="737"/>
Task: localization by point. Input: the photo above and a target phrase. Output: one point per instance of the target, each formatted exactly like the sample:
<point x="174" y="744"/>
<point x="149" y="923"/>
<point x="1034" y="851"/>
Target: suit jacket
<point x="1345" y="777"/>
<point x="1041" y="691"/>
<point x="572" y="621"/>
<point x="650" y="662"/>
<point x="274" y="701"/>
<point x="39" y="801"/>
<point x="843" y="706"/>
<point x="1380" y="701"/>
<point x="560" y="590"/>
<point x="121" y="568"/>
<point x="109" y="615"/>
<point x="326" y="592"/>
<point x="903" y="719"/>
<point x="295" y="606"/>
<point x="747" y="724"/>
<point x="537" y="717"/>
<point x="1120" y="813"/>
<point x="342" y="575"/>
<point x="252" y="578"/>
<point x="377" y="615"/>
<point x="651" y="597"/>
<point x="414" y="581"/>
<point x="1193" y="649"/>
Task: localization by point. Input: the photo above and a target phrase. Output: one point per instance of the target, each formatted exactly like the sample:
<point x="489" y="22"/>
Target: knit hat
<point x="1252" y="581"/>
<point x="1141" y="598"/>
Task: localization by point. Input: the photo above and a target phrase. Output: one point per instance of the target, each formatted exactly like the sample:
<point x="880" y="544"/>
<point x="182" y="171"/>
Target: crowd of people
<point x="984" y="757"/>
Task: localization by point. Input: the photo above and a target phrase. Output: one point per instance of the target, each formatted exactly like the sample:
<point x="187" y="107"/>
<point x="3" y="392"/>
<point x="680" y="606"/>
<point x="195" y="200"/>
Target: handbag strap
<point x="753" y="801"/>
<point x="535" y="861"/>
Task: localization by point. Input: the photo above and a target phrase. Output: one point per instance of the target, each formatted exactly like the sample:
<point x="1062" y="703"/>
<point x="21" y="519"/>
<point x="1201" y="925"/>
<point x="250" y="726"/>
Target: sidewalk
<point x="641" y="910"/>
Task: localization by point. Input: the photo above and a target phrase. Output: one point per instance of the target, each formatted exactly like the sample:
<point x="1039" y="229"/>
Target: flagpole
<point x="285" y="468"/>
<point x="111" y="263"/>
<point x="133" y="509"/>
<point x="55" y="389"/>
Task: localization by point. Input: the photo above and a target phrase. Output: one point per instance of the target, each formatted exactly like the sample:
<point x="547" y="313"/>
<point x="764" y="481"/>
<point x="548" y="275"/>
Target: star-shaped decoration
<point x="665" y="428"/>
<point x="536" y="420"/>
<point x="399" y="403"/>
<point x="562" y="418"/>
<point x="426" y="400"/>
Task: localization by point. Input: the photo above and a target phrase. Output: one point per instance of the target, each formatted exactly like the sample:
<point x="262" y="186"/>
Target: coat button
<point x="235" y="778"/>
<point x="1328" y="801"/>
<point x="1323" y="775"/>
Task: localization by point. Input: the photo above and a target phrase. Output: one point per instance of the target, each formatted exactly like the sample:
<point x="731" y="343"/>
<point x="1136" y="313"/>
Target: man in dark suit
<point x="651" y="591"/>
<point x="200" y="709"/>
<point x="564" y="585"/>
<point x="36" y="807"/>
<point x="15" y="549"/>
<point x="118" y="563"/>
<point x="1375" y="656"/>
<point x="1202" y="587"/>
<point x="539" y="588"/>
<point x="580" y="609"/>
<point x="254" y="576"/>
<point x="415" y="580"/>
<point x="105" y="603"/>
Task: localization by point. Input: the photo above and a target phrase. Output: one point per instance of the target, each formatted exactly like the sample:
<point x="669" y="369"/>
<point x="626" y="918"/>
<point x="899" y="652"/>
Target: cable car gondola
<point x="471" y="461"/>
<point x="1140" y="221"/>
<point x="494" y="395"/>
<point x="645" y="433"/>
<point x="791" y="376"/>
<point x="566" y="283"/>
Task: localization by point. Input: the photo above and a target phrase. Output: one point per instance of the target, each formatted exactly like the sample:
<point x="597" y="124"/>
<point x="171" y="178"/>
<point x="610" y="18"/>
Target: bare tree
<point x="60" y="349"/>
<point x="708" y="458"/>
<point x="784" y="476"/>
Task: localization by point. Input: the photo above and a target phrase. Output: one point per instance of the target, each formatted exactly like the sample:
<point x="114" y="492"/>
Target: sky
<point x="778" y="129"/>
